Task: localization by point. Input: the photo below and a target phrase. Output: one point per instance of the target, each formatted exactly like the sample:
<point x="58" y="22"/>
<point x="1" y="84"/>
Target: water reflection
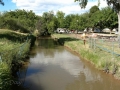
<point x="55" y="68"/>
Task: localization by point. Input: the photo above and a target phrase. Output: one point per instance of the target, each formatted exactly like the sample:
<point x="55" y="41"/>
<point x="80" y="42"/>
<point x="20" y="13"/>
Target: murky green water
<point x="53" y="67"/>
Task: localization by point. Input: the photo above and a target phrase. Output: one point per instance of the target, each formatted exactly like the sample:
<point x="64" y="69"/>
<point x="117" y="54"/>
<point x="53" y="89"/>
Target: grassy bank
<point x="14" y="47"/>
<point x="100" y="59"/>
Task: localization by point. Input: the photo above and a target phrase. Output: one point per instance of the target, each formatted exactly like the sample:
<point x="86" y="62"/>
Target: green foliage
<point x="12" y="52"/>
<point x="96" y="18"/>
<point x="19" y="20"/>
<point x="94" y="9"/>
<point x="109" y="17"/>
<point x="46" y="24"/>
<point x="13" y="36"/>
<point x="67" y="21"/>
<point x="12" y="49"/>
<point x="60" y="17"/>
<point x="41" y="25"/>
<point x="28" y="22"/>
<point x="5" y="77"/>
<point x="115" y="4"/>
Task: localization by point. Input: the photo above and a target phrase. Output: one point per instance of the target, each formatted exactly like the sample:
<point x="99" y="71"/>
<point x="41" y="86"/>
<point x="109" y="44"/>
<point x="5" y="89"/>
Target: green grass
<point x="6" y="44"/>
<point x="12" y="35"/>
<point x="5" y="77"/>
<point x="12" y="49"/>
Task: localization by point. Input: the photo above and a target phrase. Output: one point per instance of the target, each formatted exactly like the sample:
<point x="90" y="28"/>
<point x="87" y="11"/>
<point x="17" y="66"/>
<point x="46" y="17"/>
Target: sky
<point x="41" y="6"/>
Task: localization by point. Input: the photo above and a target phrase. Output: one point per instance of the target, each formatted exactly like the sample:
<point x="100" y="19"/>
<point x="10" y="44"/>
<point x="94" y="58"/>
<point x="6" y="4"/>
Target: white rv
<point x="60" y="30"/>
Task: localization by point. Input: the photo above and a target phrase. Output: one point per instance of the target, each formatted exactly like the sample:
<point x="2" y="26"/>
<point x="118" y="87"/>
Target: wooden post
<point x="84" y="41"/>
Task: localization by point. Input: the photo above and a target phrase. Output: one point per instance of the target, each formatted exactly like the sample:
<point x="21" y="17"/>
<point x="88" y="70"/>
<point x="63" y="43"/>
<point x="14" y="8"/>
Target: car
<point x="115" y="31"/>
<point x="106" y="30"/>
<point x="97" y="30"/>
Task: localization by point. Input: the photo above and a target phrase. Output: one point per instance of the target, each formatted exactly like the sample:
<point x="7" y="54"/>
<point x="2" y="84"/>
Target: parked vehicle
<point x="96" y="30"/>
<point x="60" y="30"/>
<point x="115" y="31"/>
<point x="106" y="30"/>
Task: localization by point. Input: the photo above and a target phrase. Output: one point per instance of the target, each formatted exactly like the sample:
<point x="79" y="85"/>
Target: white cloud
<point x="67" y="6"/>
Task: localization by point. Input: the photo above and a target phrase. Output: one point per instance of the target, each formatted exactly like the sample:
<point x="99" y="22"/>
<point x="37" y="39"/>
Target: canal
<point x="54" y="67"/>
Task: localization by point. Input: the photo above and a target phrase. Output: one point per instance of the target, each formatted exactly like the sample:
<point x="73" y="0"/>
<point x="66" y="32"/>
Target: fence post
<point x="112" y="48"/>
<point x="90" y="42"/>
<point x="94" y="43"/>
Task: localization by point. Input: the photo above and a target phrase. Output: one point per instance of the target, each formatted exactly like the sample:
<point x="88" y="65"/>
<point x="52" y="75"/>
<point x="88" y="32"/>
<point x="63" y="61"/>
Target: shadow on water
<point x="20" y="83"/>
<point x="46" y="43"/>
<point x="16" y="87"/>
<point x="61" y="41"/>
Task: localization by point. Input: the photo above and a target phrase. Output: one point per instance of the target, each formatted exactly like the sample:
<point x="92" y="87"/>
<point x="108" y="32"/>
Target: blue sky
<point x="9" y="5"/>
<point x="41" y="6"/>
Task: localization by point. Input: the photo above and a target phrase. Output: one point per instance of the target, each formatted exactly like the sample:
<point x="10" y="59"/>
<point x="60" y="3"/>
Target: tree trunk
<point x="119" y="28"/>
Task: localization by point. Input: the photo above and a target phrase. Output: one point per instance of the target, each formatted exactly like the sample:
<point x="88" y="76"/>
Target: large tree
<point x="18" y="20"/>
<point x="60" y="17"/>
<point x="114" y="3"/>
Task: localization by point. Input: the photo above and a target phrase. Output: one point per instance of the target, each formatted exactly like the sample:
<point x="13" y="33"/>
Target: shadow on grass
<point x="13" y="36"/>
<point x="17" y="37"/>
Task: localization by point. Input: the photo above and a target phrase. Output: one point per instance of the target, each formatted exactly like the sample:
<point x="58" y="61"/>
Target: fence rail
<point x="108" y="45"/>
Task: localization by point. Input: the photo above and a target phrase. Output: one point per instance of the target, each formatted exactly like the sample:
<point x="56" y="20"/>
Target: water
<point x="53" y="67"/>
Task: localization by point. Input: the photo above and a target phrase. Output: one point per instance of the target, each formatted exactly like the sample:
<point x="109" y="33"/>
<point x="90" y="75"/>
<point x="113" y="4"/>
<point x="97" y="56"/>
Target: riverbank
<point x="14" y="48"/>
<point x="100" y="59"/>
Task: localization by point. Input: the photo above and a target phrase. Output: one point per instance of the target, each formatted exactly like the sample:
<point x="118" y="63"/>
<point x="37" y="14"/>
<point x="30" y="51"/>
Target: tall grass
<point x="12" y="49"/>
<point x="6" y="44"/>
<point x="5" y="77"/>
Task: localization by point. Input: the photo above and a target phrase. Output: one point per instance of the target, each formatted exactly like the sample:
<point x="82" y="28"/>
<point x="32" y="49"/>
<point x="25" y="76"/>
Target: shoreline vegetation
<point x="101" y="60"/>
<point x="14" y="49"/>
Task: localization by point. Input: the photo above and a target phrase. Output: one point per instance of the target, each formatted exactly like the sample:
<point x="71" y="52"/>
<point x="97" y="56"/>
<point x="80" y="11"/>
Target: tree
<point x="41" y="25"/>
<point x="48" y="18"/>
<point x="115" y="5"/>
<point x="60" y="17"/>
<point x="18" y="20"/>
<point x="93" y="9"/>
<point x="68" y="19"/>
